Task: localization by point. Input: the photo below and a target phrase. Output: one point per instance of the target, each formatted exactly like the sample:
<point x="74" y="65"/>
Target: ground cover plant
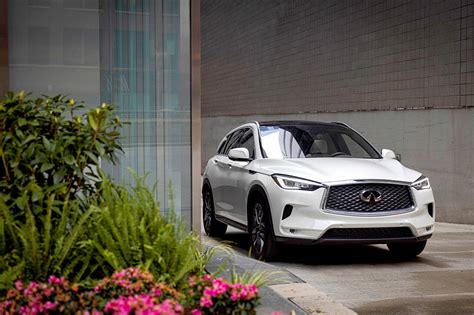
<point x="131" y="291"/>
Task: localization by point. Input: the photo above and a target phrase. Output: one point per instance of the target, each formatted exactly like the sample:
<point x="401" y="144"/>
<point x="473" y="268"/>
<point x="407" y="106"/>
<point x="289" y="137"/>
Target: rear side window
<point x="247" y="141"/>
<point x="221" y="148"/>
<point x="234" y="141"/>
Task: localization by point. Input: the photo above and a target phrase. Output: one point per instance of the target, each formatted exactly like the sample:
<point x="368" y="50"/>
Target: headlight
<point x="295" y="183"/>
<point x="421" y="183"/>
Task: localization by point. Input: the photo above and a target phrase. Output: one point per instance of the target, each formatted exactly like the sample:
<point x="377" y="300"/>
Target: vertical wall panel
<point x="3" y="47"/>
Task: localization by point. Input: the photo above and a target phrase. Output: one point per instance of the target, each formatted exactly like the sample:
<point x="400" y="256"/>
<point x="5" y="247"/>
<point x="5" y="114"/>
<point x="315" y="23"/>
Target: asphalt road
<point x="369" y="280"/>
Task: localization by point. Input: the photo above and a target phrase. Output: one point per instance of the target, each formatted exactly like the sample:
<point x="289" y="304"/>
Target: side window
<point x="221" y="148"/>
<point x="247" y="141"/>
<point x="233" y="141"/>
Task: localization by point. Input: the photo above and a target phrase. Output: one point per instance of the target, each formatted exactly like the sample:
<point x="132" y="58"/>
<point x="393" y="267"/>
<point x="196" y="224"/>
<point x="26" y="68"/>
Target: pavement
<point x="368" y="280"/>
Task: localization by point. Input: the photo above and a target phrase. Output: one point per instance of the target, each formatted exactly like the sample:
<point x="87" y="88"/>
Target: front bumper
<point x="310" y="223"/>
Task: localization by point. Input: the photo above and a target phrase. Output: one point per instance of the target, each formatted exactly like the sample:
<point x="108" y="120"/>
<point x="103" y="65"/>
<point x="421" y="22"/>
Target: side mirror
<point x="240" y="154"/>
<point x="388" y="154"/>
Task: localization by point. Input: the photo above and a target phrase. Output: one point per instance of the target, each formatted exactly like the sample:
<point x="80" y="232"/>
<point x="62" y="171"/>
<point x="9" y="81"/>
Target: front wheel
<point x="212" y="227"/>
<point x="407" y="250"/>
<point x="263" y="244"/>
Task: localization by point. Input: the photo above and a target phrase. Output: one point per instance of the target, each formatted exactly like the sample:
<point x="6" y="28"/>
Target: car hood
<point x="326" y="170"/>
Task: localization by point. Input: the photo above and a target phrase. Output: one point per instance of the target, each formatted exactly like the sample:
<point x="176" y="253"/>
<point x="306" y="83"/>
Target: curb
<point x="310" y="299"/>
<point x="287" y="295"/>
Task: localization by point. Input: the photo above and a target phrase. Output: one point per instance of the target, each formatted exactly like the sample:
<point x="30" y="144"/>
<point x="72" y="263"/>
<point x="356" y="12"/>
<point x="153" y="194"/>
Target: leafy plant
<point x="128" y="229"/>
<point x="47" y="147"/>
<point x="259" y="278"/>
<point x="50" y="149"/>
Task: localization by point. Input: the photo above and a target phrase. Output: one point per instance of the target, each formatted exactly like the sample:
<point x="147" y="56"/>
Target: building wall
<point x="3" y="47"/>
<point x="400" y="72"/>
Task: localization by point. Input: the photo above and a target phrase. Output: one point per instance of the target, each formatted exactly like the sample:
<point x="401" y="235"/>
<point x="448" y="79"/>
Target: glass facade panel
<point x="131" y="53"/>
<point x="53" y="50"/>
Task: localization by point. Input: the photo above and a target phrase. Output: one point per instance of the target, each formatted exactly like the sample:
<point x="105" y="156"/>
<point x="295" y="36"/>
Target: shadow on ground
<point x="320" y="254"/>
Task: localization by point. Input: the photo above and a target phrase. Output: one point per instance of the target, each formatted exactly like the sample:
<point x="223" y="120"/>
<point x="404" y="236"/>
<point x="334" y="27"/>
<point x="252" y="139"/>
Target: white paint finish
<point x="437" y="142"/>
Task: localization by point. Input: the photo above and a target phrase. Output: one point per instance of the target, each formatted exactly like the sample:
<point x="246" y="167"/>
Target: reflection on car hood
<point x="326" y="170"/>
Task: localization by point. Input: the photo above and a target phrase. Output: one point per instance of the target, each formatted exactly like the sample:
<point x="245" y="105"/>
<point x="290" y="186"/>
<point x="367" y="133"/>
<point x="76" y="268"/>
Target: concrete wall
<point x="439" y="143"/>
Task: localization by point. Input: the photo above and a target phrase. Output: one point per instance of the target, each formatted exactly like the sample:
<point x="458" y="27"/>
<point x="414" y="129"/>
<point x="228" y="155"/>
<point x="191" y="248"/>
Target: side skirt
<point x="231" y="222"/>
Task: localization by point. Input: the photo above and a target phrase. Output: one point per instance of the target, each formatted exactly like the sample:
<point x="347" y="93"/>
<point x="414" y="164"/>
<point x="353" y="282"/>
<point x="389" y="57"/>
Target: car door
<point x="239" y="178"/>
<point x="220" y="176"/>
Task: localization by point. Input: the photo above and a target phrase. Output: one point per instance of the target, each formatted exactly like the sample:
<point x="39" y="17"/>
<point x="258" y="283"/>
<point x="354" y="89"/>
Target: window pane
<point x="247" y="141"/>
<point x="354" y="148"/>
<point x="38" y="45"/>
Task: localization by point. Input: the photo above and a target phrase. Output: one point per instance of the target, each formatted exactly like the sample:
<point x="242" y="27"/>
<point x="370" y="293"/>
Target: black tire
<point x="407" y="250"/>
<point x="262" y="239"/>
<point x="212" y="227"/>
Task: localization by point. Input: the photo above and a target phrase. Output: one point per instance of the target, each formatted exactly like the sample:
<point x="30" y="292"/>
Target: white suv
<point x="300" y="182"/>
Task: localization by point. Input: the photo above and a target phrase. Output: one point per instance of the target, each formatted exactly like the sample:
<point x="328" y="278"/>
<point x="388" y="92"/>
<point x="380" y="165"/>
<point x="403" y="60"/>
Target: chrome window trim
<point x="367" y="214"/>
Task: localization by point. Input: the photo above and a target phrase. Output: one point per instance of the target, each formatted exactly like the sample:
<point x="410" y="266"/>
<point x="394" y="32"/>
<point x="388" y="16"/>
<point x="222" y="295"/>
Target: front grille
<point x="367" y="233"/>
<point x="348" y="198"/>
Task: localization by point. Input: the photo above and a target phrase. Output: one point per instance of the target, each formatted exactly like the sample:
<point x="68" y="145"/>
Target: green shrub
<point x="47" y="147"/>
<point x="49" y="150"/>
<point x="128" y="229"/>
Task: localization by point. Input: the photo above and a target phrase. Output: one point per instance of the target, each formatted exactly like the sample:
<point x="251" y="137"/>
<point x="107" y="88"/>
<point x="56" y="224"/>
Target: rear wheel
<point x="263" y="243"/>
<point x="407" y="250"/>
<point x="212" y="227"/>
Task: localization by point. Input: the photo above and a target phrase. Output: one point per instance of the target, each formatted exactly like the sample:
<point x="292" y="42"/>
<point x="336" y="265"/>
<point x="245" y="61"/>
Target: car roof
<point x="302" y="123"/>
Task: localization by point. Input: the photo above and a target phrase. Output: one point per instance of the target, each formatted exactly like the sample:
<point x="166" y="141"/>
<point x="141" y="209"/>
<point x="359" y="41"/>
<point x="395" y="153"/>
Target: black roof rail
<point x="340" y="123"/>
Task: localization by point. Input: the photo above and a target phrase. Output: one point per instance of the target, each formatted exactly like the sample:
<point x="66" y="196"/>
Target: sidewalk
<point x="286" y="294"/>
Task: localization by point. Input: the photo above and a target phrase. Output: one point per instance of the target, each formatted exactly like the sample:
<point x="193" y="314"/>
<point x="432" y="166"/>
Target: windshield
<point x="313" y="141"/>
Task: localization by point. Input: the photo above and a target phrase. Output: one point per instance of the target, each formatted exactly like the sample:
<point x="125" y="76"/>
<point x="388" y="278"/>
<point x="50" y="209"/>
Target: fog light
<point x="292" y="231"/>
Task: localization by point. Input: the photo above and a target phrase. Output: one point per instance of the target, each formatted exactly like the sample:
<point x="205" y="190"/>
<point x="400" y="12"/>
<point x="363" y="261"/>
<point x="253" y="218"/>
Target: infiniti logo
<point x="371" y="196"/>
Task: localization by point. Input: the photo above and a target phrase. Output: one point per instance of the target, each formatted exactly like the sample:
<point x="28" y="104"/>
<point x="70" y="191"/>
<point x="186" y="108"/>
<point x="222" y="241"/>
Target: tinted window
<point x="353" y="148"/>
<point x="247" y="141"/>
<point x="233" y="141"/>
<point x="312" y="141"/>
<point x="221" y="148"/>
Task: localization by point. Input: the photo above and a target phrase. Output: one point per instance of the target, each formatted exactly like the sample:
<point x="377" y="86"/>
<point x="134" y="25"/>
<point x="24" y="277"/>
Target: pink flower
<point x="276" y="313"/>
<point x="49" y="306"/>
<point x="19" y="285"/>
<point x="234" y="296"/>
<point x="56" y="280"/>
<point x="196" y="312"/>
<point x="206" y="302"/>
<point x="209" y="292"/>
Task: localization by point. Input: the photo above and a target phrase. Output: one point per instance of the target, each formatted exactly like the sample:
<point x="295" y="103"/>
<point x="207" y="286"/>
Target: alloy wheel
<point x="207" y="211"/>
<point x="258" y="228"/>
